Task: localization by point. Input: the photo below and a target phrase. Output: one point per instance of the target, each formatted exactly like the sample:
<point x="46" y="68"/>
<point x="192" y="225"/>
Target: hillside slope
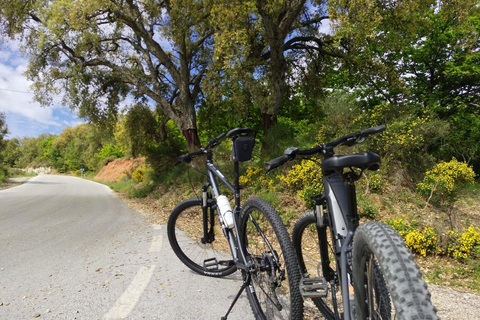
<point x="113" y="170"/>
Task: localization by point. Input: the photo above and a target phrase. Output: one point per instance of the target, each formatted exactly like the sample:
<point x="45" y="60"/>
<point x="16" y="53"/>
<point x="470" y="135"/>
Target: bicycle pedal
<point x="210" y="264"/>
<point x="313" y="287"/>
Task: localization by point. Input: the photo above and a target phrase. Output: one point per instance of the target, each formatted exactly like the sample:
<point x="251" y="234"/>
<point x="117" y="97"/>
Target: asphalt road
<point x="70" y="249"/>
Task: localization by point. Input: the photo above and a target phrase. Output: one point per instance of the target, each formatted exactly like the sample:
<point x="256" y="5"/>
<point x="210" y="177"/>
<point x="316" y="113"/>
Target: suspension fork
<point x="208" y="216"/>
<point x="321" y="227"/>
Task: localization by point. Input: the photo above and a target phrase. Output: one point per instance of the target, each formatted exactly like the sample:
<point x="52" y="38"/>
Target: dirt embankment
<point x="113" y="170"/>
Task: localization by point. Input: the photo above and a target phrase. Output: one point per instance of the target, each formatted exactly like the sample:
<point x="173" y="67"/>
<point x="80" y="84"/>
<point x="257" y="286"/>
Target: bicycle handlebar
<point x="210" y="144"/>
<point x="348" y="140"/>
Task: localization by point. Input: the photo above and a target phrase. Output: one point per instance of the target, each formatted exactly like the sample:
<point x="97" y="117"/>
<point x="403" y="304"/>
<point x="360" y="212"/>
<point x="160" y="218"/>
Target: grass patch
<point x="17" y="173"/>
<point x="451" y="273"/>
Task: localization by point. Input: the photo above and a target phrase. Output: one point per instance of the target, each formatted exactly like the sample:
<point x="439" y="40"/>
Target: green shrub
<point x="366" y="207"/>
<point x="3" y="174"/>
<point x="110" y="150"/>
<point x="77" y="173"/>
<point x="140" y="190"/>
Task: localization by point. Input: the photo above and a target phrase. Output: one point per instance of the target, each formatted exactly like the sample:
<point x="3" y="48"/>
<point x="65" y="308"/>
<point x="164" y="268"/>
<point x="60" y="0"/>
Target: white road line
<point x="125" y="304"/>
<point x="156" y="245"/>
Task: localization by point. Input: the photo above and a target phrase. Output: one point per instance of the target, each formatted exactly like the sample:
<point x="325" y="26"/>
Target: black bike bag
<point x="242" y="148"/>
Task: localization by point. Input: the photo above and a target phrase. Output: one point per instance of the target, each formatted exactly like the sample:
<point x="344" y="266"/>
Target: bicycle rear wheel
<point x="209" y="255"/>
<point x="273" y="292"/>
<point x="407" y="294"/>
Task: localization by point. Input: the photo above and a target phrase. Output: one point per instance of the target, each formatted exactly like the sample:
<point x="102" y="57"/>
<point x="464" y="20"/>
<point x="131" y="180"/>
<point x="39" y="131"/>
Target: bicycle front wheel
<point x="377" y="243"/>
<point x="274" y="291"/>
<point x="208" y="254"/>
<point x="307" y="238"/>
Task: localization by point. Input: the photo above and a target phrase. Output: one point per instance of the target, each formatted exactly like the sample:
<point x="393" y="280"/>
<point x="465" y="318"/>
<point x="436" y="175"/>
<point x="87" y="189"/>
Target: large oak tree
<point x="98" y="53"/>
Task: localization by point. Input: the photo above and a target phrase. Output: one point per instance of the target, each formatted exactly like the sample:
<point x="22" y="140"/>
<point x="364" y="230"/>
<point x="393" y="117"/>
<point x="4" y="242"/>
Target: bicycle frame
<point x="235" y="243"/>
<point x="343" y="219"/>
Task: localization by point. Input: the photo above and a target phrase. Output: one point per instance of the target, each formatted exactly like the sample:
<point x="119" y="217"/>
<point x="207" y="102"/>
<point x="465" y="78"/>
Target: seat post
<point x="236" y="183"/>
<point x="352" y="213"/>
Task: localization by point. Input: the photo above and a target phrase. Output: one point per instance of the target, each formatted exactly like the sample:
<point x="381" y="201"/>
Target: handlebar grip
<point x="373" y="130"/>
<point x="275" y="163"/>
<point x="185" y="158"/>
<point x="214" y="141"/>
<point x="223" y="134"/>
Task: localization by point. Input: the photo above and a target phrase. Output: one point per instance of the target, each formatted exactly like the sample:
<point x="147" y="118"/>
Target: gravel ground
<point x="455" y="305"/>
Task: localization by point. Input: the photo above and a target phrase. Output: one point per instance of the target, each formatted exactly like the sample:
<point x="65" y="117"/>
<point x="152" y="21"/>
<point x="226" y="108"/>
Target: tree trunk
<point x="268" y="121"/>
<point x="193" y="141"/>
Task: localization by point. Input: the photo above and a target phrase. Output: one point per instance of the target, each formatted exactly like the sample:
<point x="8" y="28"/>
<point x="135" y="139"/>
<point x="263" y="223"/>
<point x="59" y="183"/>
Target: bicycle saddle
<point x="363" y="161"/>
<point x="232" y="134"/>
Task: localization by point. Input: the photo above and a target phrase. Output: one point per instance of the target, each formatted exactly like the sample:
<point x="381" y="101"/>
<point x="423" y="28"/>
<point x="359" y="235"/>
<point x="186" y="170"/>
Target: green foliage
<point x="140" y="190"/>
<point x="441" y="183"/>
<point x="3" y="144"/>
<point x="11" y="153"/>
<point x="366" y="207"/>
<point x="142" y="174"/>
<point x="376" y="182"/>
<point x="428" y="58"/>
<point x="3" y="174"/>
<point x="110" y="150"/>
<point x="463" y="139"/>
<point x="289" y="132"/>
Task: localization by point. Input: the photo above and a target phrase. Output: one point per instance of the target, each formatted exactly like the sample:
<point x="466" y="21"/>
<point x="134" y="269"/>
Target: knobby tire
<point x="379" y="243"/>
<point x="259" y="294"/>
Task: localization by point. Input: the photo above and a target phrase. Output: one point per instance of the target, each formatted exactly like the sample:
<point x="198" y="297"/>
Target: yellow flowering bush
<point x="404" y="135"/>
<point x="306" y="178"/>
<point x="375" y="181"/>
<point x="422" y="242"/>
<point x="441" y="182"/>
<point x="401" y="225"/>
<point x="256" y="177"/>
<point x="462" y="245"/>
<point x="465" y="244"/>
<point x="139" y="174"/>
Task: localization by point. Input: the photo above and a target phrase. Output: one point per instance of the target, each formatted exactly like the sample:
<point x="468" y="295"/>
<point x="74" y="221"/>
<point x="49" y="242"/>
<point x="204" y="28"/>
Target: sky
<point x="23" y="116"/>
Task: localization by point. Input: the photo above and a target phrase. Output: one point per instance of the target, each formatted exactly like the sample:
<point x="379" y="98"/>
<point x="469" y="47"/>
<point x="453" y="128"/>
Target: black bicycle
<point x="213" y="240"/>
<point x="367" y="268"/>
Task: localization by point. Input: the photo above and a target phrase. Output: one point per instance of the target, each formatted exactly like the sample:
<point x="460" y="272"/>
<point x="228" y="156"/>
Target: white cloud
<point x="23" y="116"/>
